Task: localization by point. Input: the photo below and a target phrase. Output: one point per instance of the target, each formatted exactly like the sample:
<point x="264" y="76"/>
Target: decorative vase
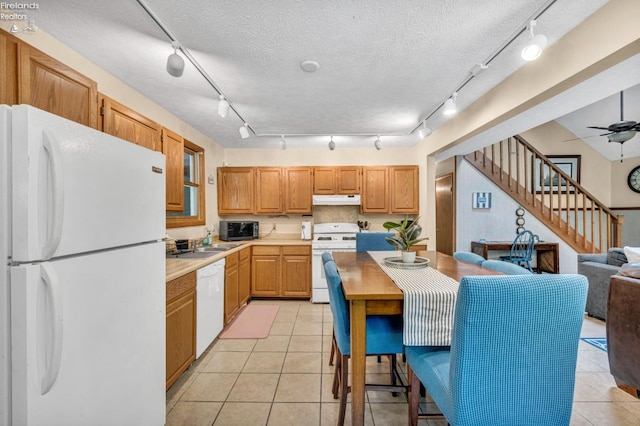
<point x="408" y="256"/>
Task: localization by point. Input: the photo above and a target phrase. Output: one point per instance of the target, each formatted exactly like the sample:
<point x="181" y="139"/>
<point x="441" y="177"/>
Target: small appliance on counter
<point x="238" y="231"/>
<point x="305" y="230"/>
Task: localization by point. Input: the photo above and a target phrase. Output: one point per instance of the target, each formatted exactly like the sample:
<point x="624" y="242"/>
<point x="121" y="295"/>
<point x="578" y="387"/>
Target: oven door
<point x="319" y="293"/>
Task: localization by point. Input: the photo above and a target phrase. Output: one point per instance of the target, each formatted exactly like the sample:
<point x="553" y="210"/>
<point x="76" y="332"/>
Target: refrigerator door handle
<point x="57" y="211"/>
<point x="51" y="282"/>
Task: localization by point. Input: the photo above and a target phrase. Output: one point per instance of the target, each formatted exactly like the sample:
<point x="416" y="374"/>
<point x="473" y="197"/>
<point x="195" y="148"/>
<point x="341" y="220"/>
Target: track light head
<point x="244" y="131"/>
<point x="533" y="49"/>
<point x="332" y="144"/>
<point x="378" y="144"/>
<point x="450" y="107"/>
<point x="223" y="107"/>
<point x="425" y="131"/>
<point x="175" y="63"/>
<point x="283" y="143"/>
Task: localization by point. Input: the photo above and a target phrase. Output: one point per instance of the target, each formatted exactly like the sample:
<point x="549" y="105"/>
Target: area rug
<point x="253" y="322"/>
<point x="598" y="342"/>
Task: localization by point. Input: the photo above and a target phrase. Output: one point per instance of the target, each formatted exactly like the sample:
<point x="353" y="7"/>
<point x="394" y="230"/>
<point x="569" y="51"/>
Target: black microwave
<point x="238" y="231"/>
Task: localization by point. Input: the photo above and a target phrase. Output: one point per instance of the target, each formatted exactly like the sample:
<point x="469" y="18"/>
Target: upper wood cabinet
<point x="403" y="189"/>
<point x="330" y="180"/>
<point x="52" y="86"/>
<point x="297" y="190"/>
<point x="9" y="60"/>
<point x="235" y="190"/>
<point x="375" y="189"/>
<point x="173" y="149"/>
<point x="124" y="123"/>
<point x="268" y="190"/>
<point x="392" y="189"/>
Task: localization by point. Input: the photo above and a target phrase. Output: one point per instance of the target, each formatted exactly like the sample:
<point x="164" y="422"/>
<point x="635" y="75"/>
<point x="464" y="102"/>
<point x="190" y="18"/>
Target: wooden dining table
<point x="370" y="291"/>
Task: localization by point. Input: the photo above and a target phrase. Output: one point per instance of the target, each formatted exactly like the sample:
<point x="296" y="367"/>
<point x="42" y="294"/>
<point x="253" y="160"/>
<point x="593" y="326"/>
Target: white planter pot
<point x="408" y="256"/>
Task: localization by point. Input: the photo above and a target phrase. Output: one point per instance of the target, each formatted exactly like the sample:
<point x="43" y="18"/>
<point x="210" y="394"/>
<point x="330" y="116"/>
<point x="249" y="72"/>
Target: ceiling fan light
<point x="244" y="131"/>
<point x="534" y="48"/>
<point x="621" y="137"/>
<point x="175" y="63"/>
<point x="449" y="107"/>
<point x="223" y="107"/>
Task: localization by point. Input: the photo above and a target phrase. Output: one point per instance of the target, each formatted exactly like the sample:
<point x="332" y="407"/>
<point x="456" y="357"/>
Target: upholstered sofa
<point x="598" y="268"/>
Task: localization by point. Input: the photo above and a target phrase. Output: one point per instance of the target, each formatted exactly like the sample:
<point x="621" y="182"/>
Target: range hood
<point x="336" y="200"/>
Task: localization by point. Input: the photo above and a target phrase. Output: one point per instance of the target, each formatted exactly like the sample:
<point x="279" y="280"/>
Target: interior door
<point x="445" y="214"/>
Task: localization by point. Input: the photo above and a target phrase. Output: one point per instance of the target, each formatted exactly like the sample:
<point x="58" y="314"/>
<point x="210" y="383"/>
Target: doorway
<point x="445" y="214"/>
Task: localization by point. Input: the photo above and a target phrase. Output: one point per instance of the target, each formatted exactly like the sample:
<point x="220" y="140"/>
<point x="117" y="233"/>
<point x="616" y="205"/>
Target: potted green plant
<point x="408" y="233"/>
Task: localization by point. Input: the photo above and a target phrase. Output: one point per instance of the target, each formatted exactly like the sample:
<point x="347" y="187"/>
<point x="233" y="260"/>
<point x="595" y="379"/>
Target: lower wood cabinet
<point x="237" y="282"/>
<point x="281" y="271"/>
<point x="181" y="326"/>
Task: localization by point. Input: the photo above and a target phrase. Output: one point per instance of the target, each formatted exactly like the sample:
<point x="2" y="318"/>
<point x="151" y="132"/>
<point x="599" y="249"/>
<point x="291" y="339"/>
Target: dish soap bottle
<point x="207" y="237"/>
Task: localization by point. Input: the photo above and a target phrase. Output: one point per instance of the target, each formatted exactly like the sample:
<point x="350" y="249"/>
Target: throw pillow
<point x="632" y="253"/>
<point x="630" y="270"/>
<point x="616" y="256"/>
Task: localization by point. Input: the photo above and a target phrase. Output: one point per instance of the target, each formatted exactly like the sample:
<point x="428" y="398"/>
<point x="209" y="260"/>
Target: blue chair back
<point x="373" y="241"/>
<point x="514" y="349"/>
<point x="339" y="306"/>
<point x="326" y="257"/>
<point x="467" y="256"/>
<point x="522" y="247"/>
<point x="505" y="267"/>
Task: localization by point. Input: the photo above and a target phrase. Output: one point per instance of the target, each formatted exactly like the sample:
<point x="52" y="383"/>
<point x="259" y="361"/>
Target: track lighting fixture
<point x="378" y="143"/>
<point x="425" y="131"/>
<point x="450" y="107"/>
<point x="533" y="49"/>
<point x="175" y="63"/>
<point x="283" y="143"/>
<point x="332" y="144"/>
<point x="244" y="131"/>
<point x="223" y="107"/>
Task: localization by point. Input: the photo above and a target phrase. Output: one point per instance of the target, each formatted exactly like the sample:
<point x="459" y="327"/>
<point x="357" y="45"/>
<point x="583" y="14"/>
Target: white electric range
<point x="328" y="237"/>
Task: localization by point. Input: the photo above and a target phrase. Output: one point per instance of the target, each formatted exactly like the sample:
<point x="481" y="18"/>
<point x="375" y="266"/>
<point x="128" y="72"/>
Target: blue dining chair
<point x="373" y="241"/>
<point x="467" y="256"/>
<point x="326" y="257"/>
<point x="505" y="267"/>
<point x="513" y="353"/>
<point x="521" y="250"/>
<point x="384" y="337"/>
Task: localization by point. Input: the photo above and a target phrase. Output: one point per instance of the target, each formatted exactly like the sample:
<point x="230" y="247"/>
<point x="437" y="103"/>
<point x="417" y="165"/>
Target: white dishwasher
<point x="210" y="304"/>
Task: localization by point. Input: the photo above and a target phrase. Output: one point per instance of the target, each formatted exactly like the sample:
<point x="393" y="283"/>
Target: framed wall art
<point x="551" y="180"/>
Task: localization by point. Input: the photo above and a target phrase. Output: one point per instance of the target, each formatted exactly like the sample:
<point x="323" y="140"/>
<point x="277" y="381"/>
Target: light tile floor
<point x="285" y="379"/>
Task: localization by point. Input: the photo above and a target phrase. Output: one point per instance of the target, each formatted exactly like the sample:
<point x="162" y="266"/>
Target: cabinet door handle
<point x="53" y="298"/>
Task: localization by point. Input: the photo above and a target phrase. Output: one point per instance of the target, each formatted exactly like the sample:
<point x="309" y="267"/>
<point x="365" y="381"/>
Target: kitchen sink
<point x="218" y="247"/>
<point x="193" y="254"/>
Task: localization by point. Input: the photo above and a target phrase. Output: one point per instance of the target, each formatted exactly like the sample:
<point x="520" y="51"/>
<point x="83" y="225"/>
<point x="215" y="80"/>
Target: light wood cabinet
<point x="173" y="149"/>
<point x="180" y="326"/>
<point x="337" y="180"/>
<point x="9" y="65"/>
<point x="390" y="189"/>
<point x="244" y="276"/>
<point x="235" y="190"/>
<point x="124" y="123"/>
<point x="403" y="189"/>
<point x="375" y="189"/>
<point x="296" y="270"/>
<point x="268" y="190"/>
<point x="52" y="86"/>
<point x="281" y="271"/>
<point x="297" y="190"/>
<point x="231" y="279"/>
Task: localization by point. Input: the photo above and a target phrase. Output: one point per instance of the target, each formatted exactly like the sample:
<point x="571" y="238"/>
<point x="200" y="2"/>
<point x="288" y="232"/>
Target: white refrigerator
<point x="82" y="278"/>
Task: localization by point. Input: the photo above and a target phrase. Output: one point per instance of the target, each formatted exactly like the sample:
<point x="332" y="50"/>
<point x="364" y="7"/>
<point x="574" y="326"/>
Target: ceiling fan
<point x="622" y="130"/>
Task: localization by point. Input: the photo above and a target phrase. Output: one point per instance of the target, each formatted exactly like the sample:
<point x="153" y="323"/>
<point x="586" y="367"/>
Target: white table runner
<point x="429" y="302"/>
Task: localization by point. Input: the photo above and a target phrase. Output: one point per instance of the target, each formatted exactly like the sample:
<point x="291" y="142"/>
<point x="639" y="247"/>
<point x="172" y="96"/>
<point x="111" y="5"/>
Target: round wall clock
<point x="634" y="179"/>
<point x="519" y="211"/>
<point x="520" y="221"/>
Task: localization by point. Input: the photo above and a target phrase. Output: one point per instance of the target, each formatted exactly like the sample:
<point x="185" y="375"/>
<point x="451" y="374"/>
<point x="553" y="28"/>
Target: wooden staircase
<point x="549" y="194"/>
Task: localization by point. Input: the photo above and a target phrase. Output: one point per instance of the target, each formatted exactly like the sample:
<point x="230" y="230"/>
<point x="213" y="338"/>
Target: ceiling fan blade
<point x="585" y="137"/>
<point x="595" y="127"/>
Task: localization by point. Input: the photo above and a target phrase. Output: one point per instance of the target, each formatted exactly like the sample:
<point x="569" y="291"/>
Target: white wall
<point x="498" y="222"/>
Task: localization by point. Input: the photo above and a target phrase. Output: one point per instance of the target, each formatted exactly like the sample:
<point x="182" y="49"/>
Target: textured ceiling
<point x="384" y="65"/>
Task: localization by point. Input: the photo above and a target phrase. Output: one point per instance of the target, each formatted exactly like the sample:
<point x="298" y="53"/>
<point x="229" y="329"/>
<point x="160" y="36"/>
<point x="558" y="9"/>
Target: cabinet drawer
<point x="300" y="250"/>
<point x="245" y="254"/>
<point x="266" y="250"/>
<point x="231" y="260"/>
<point x="181" y="285"/>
